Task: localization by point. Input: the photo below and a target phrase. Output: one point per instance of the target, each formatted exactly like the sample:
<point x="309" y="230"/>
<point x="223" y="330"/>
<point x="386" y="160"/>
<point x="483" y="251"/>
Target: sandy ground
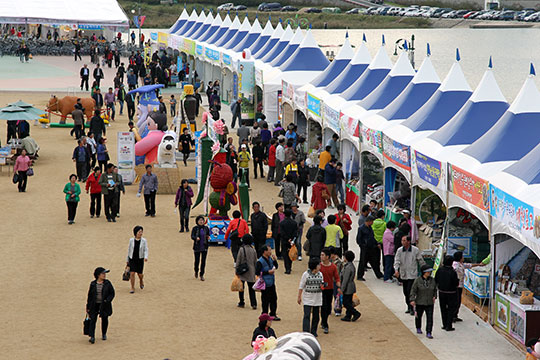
<point x="47" y="266"/>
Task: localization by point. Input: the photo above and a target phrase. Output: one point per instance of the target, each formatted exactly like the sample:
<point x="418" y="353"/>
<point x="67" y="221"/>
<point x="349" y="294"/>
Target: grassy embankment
<point x="163" y="16"/>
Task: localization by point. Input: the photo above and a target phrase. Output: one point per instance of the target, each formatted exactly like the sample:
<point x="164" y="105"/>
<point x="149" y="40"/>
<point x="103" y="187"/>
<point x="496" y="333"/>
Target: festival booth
<point x="204" y="27"/>
<point x="188" y="24"/>
<point x="179" y="22"/>
<point x="253" y="34"/>
<point x="196" y="26"/>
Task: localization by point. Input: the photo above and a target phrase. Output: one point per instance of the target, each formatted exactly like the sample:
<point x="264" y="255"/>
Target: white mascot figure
<point x="167" y="150"/>
<point x="293" y="346"/>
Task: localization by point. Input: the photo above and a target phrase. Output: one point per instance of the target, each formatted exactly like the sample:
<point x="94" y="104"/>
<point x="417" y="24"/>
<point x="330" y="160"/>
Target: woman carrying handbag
<point x="100" y="297"/>
<point x="245" y="270"/>
<point x="137" y="256"/>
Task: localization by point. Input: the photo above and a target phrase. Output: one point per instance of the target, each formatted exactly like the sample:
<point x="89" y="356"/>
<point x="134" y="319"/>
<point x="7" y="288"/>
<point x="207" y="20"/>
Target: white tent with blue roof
<point x="214" y="27"/>
<point x="289" y="49"/>
<point x="240" y="35"/>
<point x="196" y="25"/>
<point x="204" y="27"/>
<point x="180" y="22"/>
<point x="265" y="36"/>
<point x="435" y="113"/>
<point x="229" y="34"/>
<point x="391" y="87"/>
<point x="286" y="37"/>
<point x="188" y="24"/>
<point x="218" y="35"/>
<point x="272" y="41"/>
<point x="485" y="106"/>
<point x="253" y="34"/>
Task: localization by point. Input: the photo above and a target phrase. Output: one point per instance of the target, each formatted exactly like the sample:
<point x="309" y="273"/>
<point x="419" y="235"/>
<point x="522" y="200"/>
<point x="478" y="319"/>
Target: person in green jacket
<point x="423" y="296"/>
<point x="379" y="226"/>
<point x="243" y="162"/>
<point x="72" y="191"/>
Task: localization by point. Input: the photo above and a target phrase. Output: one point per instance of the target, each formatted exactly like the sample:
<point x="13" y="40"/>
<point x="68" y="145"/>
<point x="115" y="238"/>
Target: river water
<point x="512" y="50"/>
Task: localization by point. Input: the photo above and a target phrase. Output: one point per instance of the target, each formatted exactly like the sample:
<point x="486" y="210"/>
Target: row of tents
<point x="470" y="147"/>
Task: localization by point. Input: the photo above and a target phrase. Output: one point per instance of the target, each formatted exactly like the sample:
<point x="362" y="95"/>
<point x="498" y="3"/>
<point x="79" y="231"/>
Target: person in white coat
<point x="137" y="256"/>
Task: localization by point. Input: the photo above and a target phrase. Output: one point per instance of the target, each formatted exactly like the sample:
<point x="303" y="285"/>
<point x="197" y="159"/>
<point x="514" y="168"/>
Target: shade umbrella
<point x="29" y="108"/>
<point x="15" y="113"/>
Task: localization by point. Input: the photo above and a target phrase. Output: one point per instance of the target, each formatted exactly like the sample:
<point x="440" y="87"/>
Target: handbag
<point x="86" y="325"/>
<point x="126" y="275"/>
<point x="259" y="285"/>
<point x="306" y="246"/>
<point x="325" y="195"/>
<point x="233" y="235"/>
<point x="30" y="172"/>
<point x="15" y="178"/>
<point x="280" y="193"/>
<point x="237" y="285"/>
<point x="355" y="300"/>
<point x="243" y="267"/>
<point x="311" y="212"/>
<point x="338" y="304"/>
<point x="293" y="253"/>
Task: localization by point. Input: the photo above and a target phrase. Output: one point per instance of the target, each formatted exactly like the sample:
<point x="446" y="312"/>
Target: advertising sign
<point x="188" y="46"/>
<point x="511" y="211"/>
<point x="300" y="99"/>
<point x="287" y="90"/>
<point x="371" y="138"/>
<point x="429" y="170"/>
<point x="163" y="38"/>
<point x="330" y="117"/>
<point x="235" y="85"/>
<point x="218" y="228"/>
<point x="350" y="125"/>
<point x="314" y="105"/>
<point x="279" y="107"/>
<point x="517" y="323"/>
<point x="126" y="156"/>
<point x="397" y="153"/>
<point x="226" y="59"/>
<point x="502" y="312"/>
<point x="199" y="50"/>
<point x="463" y="244"/>
<point x="246" y="78"/>
<point x="469" y="187"/>
<point x="212" y="55"/>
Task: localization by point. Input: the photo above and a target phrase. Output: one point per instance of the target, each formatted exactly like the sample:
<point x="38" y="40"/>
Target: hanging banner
<point x="330" y="118"/>
<point x="287" y="91"/>
<point x="371" y="138"/>
<point x="397" y="153"/>
<point x="314" y="105"/>
<point x="163" y="38"/>
<point x="188" y="46"/>
<point x="511" y="211"/>
<point x="279" y="108"/>
<point x="235" y="85"/>
<point x="246" y="78"/>
<point x="429" y="170"/>
<point x="300" y="99"/>
<point x="126" y="156"/>
<point x="350" y="128"/>
<point x="211" y="54"/>
<point x="226" y="59"/>
<point x="259" y="77"/>
<point x="469" y="187"/>
<point x="199" y="50"/>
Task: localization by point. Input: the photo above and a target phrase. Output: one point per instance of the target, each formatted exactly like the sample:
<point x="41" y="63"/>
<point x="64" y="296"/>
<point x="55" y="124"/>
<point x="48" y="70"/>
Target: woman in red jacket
<point x="238" y="227"/>
<point x="92" y="183"/>
<point x="319" y="194"/>
<point x="271" y="160"/>
<point x="344" y="221"/>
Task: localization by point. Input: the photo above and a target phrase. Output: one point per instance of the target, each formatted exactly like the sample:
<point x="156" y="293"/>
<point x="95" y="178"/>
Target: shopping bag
<point x="86" y="325"/>
<point x="293" y="253"/>
<point x="355" y="300"/>
<point x="338" y="304"/>
<point x="237" y="285"/>
<point x="15" y="178"/>
<point x="311" y="212"/>
<point x="30" y="172"/>
<point x="259" y="285"/>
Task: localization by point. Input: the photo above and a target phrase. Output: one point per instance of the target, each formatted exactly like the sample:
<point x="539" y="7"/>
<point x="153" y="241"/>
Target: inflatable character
<point x="190" y="104"/>
<point x="66" y="105"/>
<point x="224" y="194"/>
<point x="148" y="146"/>
<point x="293" y="346"/>
<point x="167" y="150"/>
<point x="148" y="103"/>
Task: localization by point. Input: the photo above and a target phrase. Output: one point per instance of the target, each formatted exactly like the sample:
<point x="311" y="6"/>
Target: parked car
<point x="225" y="7"/>
<point x="289" y="8"/>
<point x="331" y="10"/>
<point x="240" y="7"/>
<point x="439" y="12"/>
<point x="532" y="17"/>
<point x="272" y="7"/>
<point x="355" y="11"/>
<point x="371" y="10"/>
<point x="313" y="10"/>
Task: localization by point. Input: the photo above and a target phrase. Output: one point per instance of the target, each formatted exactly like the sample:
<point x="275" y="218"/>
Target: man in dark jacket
<point x="259" y="226"/>
<point x="97" y="126"/>
<point x="288" y="231"/>
<point x="100" y="297"/>
<point x="81" y="158"/>
<point x="98" y="98"/>
<point x="98" y="74"/>
<point x="447" y="282"/>
<point x="369" y="249"/>
<point x="330" y="179"/>
<point x="236" y="110"/>
<point x="316" y="237"/>
<point x="84" y="74"/>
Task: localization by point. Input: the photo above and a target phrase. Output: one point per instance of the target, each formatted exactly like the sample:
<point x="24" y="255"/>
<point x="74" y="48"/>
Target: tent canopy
<point x="280" y="46"/>
<point x="252" y="36"/>
<point x="290" y="49"/>
<point x="262" y="39"/>
<point x="180" y="22"/>
<point x="337" y="66"/>
<point x="308" y="57"/>
<point x="100" y="12"/>
<point x="353" y="71"/>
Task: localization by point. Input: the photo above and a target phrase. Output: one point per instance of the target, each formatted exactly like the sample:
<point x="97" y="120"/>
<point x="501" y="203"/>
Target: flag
<point x="139" y="20"/>
<point x="136" y="21"/>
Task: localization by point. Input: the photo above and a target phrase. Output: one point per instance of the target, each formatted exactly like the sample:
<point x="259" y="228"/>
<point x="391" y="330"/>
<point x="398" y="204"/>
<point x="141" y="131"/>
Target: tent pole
<point x="491" y="314"/>
<point x="360" y="183"/>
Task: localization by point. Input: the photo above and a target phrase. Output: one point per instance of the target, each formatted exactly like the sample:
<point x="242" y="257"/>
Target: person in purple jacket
<point x="183" y="202"/>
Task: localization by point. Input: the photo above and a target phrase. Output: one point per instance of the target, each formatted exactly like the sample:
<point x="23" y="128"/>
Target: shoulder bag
<point x="243" y="267"/>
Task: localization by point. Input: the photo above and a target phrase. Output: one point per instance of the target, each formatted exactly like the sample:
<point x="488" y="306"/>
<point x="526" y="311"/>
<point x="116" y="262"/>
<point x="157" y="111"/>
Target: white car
<point x="225" y="7"/>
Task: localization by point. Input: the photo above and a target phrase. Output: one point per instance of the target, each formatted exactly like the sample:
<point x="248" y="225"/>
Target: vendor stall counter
<point x="521" y="321"/>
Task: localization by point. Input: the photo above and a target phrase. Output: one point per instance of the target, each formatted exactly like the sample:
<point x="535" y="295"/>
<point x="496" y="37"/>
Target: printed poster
<point x="511" y="211"/>
<point x="330" y="118"/>
<point x="428" y="169"/>
<point x="126" y="156"/>
<point x="372" y="138"/>
<point x="469" y="187"/>
<point x="397" y="153"/>
<point x="517" y="323"/>
<point x="502" y="312"/>
<point x="314" y="105"/>
<point x="462" y="244"/>
<point x="246" y="78"/>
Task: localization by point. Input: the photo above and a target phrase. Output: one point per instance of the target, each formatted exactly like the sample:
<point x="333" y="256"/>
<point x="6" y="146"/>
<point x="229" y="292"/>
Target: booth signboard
<point x="199" y="50"/>
<point x="330" y="118"/>
<point x="511" y="211"/>
<point x="300" y="99"/>
<point x="461" y="243"/>
<point x="126" y="156"/>
<point x="235" y="85"/>
<point x="469" y="187"/>
<point x="397" y="153"/>
<point x="287" y="90"/>
<point x="502" y="308"/>
<point x="211" y="54"/>
<point x="428" y="169"/>
<point x="517" y="323"/>
<point x="153" y="36"/>
<point x="226" y="59"/>
<point x="246" y="78"/>
<point x="188" y="46"/>
<point x="163" y="38"/>
<point x="350" y="125"/>
<point x="314" y="105"/>
<point x="371" y="138"/>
